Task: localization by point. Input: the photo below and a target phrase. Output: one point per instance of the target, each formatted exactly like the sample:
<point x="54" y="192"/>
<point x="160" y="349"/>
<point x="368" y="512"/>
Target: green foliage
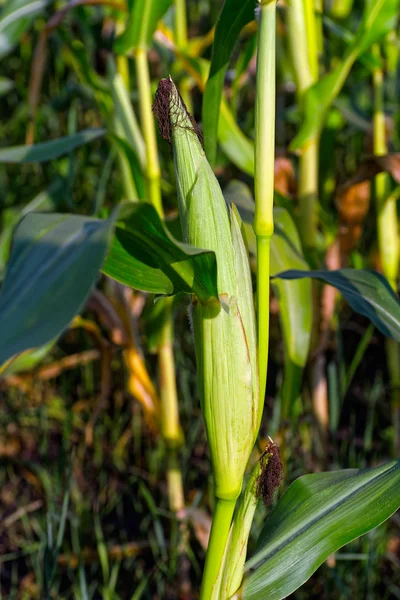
<point x="235" y="14"/>
<point x="367" y="292"/>
<point x="295" y="301"/>
<point x="49" y="268"/>
<point x="144" y="255"/>
<point x="54" y="262"/>
<point x="379" y="18"/>
<point x="318" y="515"/>
<point x="15" y="18"/>
<point x="48" y="150"/>
<point x="142" y="22"/>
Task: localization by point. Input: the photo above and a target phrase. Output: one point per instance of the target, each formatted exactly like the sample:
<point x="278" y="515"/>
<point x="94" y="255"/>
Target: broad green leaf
<point x="367" y="292"/>
<point x="15" y="18"/>
<point x="145" y="256"/>
<point x="379" y="18"/>
<point x="142" y="23"/>
<point x="235" y="14"/>
<point x="319" y="514"/>
<point x="48" y="150"/>
<point x="295" y="303"/>
<point x="54" y="262"/>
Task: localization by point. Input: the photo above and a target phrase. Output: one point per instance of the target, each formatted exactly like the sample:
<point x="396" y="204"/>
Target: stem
<point x="386" y="204"/>
<point x="312" y="36"/>
<point x="170" y="425"/>
<point x="264" y="175"/>
<point x="152" y="169"/>
<point x="388" y="240"/>
<point x="308" y="194"/>
<point x="221" y="524"/>
<point x="171" y="429"/>
<point x="303" y="43"/>
<point x="393" y="358"/>
<point x="180" y="23"/>
<point x="176" y="499"/>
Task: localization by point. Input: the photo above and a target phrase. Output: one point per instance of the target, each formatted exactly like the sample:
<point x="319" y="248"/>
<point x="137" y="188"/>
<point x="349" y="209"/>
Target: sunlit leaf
<point x="319" y="514"/>
<point x="145" y="256"/>
<point x="379" y="18"/>
<point x="235" y="14"/>
<point x="142" y="23"/>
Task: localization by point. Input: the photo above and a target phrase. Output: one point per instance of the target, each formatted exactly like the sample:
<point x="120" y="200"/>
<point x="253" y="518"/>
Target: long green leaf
<point x="235" y="14"/>
<point x="142" y="23"/>
<point x="234" y="143"/>
<point x="16" y="17"/>
<point x="144" y="255"/>
<point x="48" y="150"/>
<point x="379" y="18"/>
<point x="367" y="292"/>
<point x="319" y="514"/>
<point x="54" y="262"/>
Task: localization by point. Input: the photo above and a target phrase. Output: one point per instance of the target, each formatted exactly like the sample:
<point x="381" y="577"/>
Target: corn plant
<point x="55" y="260"/>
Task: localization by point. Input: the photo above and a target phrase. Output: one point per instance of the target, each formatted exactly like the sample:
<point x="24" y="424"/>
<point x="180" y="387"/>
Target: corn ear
<point x="225" y="340"/>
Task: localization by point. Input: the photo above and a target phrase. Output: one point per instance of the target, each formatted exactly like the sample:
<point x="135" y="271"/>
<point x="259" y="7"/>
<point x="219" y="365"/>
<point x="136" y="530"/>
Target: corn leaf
<point x="235" y="14"/>
<point x="234" y="143"/>
<point x="48" y="150"/>
<point x="145" y="256"/>
<point x="367" y="292"/>
<point x="379" y="18"/>
<point x="16" y="18"/>
<point x="49" y="200"/>
<point x="54" y="262"/>
<point x="142" y="23"/>
<point x="319" y="514"/>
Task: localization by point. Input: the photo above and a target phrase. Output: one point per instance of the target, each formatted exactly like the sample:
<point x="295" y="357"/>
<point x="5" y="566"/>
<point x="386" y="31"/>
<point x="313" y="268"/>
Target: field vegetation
<point x="199" y="312"/>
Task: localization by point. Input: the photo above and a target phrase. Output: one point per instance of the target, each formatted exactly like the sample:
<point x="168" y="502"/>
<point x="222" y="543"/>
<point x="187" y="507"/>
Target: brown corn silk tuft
<point x="271" y="473"/>
<point x="170" y="109"/>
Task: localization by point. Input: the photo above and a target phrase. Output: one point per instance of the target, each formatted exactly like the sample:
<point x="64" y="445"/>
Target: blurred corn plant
<point x="53" y="260"/>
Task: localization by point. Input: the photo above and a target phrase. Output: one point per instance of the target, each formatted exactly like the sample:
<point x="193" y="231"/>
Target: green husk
<point x="225" y="341"/>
